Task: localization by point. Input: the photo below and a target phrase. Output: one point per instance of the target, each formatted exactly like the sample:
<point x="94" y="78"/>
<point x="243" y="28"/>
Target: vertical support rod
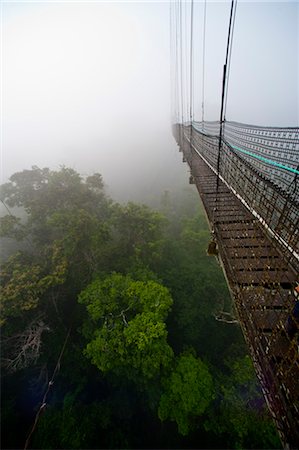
<point x="223" y="92"/>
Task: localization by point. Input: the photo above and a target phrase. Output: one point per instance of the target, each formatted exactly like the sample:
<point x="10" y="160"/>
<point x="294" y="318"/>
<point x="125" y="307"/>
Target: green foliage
<point x="129" y="334"/>
<point x="65" y="225"/>
<point x="198" y="288"/>
<point x="11" y="227"/>
<point x="145" y="283"/>
<point x="24" y="282"/>
<point x="20" y="289"/>
<point x="242" y="413"/>
<point x="188" y="392"/>
<point x="42" y="192"/>
<point x="73" y="426"/>
<point x="137" y="236"/>
<point x="95" y="183"/>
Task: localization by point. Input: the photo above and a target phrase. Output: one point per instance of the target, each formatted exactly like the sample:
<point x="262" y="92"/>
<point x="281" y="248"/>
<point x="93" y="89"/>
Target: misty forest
<point x="118" y="329"/>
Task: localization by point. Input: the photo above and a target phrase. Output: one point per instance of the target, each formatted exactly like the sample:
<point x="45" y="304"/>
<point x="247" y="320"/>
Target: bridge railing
<point x="278" y="209"/>
<point x="272" y="151"/>
<point x="275" y="204"/>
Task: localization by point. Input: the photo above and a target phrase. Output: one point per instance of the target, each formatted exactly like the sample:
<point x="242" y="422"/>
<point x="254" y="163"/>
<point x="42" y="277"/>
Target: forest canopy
<point x="111" y="309"/>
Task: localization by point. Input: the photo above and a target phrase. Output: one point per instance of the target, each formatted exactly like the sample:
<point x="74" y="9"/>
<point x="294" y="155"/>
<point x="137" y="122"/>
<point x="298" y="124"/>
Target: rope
<point x="50" y="384"/>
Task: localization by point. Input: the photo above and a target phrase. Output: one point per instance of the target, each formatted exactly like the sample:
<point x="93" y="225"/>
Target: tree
<point x="42" y="193"/>
<point x="188" y="391"/>
<point x="24" y="281"/>
<point x="70" y="238"/>
<point x="242" y="417"/>
<point x="64" y="227"/>
<point x="137" y="236"/>
<point x="61" y="210"/>
<point x="23" y="349"/>
<point x="128" y="334"/>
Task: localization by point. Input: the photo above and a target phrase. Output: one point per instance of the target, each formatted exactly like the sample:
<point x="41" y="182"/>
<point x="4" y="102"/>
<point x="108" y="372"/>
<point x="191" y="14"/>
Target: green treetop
<point x="128" y="333"/>
<point x="188" y="392"/>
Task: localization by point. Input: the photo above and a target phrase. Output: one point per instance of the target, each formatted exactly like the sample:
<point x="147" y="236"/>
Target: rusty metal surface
<point x="261" y="272"/>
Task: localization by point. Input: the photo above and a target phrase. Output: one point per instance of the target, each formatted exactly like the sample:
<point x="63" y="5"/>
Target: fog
<point x="87" y="84"/>
<point x="263" y="86"/>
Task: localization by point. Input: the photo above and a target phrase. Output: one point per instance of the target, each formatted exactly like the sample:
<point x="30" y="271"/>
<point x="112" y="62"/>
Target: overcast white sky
<point x="263" y="77"/>
<point x="87" y="84"/>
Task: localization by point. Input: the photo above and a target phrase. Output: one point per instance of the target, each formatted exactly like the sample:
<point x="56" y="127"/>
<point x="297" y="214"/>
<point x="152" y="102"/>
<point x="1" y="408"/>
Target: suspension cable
<point x="191" y="64"/>
<point x="177" y="60"/>
<point x="223" y="96"/>
<point x="181" y="60"/>
<point x="203" y="64"/>
<point x="191" y="85"/>
<point x="171" y="51"/>
<point x="224" y="87"/>
<point x="186" y="62"/>
<point x="229" y="63"/>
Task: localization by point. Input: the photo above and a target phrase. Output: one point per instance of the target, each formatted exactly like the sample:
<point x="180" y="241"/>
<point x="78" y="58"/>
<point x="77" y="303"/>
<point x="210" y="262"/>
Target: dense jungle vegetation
<point x="128" y="298"/>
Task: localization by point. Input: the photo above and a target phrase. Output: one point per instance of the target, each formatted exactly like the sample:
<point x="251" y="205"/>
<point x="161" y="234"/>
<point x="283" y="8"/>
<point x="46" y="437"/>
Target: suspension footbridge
<point x="248" y="180"/>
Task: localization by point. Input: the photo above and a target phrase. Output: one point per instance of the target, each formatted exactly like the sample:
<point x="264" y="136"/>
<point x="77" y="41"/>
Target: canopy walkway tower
<point x="255" y="227"/>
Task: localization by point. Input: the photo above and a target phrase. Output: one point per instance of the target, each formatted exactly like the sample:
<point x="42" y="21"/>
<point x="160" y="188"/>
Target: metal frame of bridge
<point x="258" y="251"/>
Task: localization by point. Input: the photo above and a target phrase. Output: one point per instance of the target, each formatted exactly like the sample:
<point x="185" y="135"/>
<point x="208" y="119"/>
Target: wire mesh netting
<point x="261" y="166"/>
<point x="273" y="152"/>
